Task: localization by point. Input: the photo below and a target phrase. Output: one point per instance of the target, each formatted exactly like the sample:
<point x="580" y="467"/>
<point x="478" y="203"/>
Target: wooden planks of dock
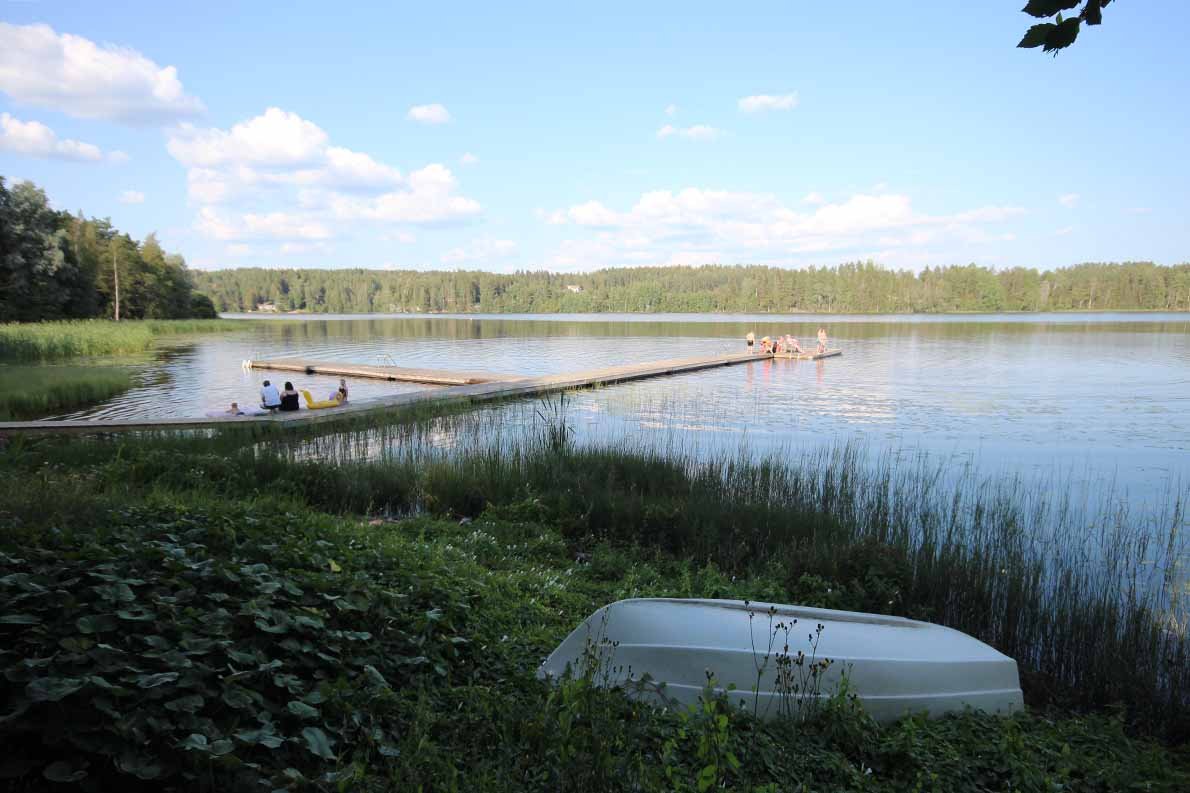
<point x="490" y="389"/>
<point x="392" y="373"/>
<point x="807" y="356"/>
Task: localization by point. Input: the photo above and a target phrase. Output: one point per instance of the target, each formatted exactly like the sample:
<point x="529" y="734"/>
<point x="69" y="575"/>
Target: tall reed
<point x="45" y="341"/>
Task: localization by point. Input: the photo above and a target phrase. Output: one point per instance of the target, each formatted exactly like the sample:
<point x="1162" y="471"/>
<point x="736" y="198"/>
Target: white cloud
<point x="429" y="114"/>
<point x="761" y="102"/>
<point x="480" y="251"/>
<point x="132" y="197"/>
<point x="700" y="132"/>
<point x="698" y="224"/>
<point x="671" y="110"/>
<point x="429" y="200"/>
<point x="468" y="159"/>
<point x="1068" y="199"/>
<point x="814" y="198"/>
<point x="286" y="167"/>
<point x="78" y="77"/>
<point x="117" y="157"/>
<point x="256" y="226"/>
<point x="35" y="139"/>
<point x="274" y="138"/>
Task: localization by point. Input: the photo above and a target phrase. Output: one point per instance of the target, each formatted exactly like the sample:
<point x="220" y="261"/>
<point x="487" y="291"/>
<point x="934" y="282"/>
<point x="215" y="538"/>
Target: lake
<point x="1091" y="397"/>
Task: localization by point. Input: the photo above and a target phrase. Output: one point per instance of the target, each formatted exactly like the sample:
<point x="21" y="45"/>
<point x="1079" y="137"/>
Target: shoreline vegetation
<point x="241" y="609"/>
<point x="60" y="340"/>
<point x="34" y="392"/>
<point x="857" y="287"/>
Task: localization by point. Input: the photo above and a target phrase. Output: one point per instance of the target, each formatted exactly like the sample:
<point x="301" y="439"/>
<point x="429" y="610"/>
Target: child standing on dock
<point x="751" y="339"/>
<point x="821" y="339"/>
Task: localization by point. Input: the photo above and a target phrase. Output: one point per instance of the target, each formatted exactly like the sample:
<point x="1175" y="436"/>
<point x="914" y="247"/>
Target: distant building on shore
<point x="578" y="290"/>
<point x="268" y="308"/>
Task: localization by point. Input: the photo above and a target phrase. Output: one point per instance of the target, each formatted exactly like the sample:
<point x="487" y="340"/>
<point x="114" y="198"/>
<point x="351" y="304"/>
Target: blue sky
<point x="565" y="138"/>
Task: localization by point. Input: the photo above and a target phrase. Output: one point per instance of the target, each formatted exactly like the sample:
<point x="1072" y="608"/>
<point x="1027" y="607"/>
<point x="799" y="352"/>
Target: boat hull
<point x="893" y="665"/>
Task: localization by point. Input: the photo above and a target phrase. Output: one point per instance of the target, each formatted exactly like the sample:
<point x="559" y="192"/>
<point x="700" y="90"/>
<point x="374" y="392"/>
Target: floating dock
<point x="390" y="373"/>
<point x="490" y="389"/>
<point x="807" y="356"/>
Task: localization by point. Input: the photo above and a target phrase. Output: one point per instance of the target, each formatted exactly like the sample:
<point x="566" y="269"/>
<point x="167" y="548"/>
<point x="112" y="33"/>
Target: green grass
<point x="31" y="392"/>
<point x="170" y="639"/>
<point x="48" y="341"/>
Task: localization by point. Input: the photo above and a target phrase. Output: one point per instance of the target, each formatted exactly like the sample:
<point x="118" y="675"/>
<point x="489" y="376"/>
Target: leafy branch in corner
<point x="1061" y="33"/>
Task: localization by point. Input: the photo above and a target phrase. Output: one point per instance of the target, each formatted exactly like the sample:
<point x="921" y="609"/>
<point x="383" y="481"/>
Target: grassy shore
<point x="30" y="392"/>
<point x="182" y="612"/>
<point x="49" y="341"/>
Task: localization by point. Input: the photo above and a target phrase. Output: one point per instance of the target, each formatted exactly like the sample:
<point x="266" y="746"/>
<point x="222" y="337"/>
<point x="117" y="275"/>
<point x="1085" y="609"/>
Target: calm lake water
<point x="1092" y="397"/>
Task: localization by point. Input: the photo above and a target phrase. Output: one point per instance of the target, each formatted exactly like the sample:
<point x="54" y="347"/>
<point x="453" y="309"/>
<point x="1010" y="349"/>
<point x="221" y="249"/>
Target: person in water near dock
<point x="821" y="339"/>
<point x="289" y="398"/>
<point x="751" y="340"/>
<point x="234" y="410"/>
<point x="270" y="398"/>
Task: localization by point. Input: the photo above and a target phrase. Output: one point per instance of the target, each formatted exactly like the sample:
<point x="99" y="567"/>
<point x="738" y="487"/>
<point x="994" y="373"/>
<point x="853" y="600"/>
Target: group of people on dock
<point x="274" y="400"/>
<point x="784" y="344"/>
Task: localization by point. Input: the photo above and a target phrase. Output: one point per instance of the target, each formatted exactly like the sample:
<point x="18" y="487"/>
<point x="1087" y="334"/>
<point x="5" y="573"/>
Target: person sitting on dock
<point x="270" y="398"/>
<point x="766" y="345"/>
<point x="791" y="345"/>
<point x="289" y="398"/>
<point x="751" y="340"/>
<point x="821" y="339"/>
<point x="341" y="394"/>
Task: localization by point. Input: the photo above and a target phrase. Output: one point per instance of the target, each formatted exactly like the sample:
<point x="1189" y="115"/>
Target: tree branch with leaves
<point x="1061" y="33"/>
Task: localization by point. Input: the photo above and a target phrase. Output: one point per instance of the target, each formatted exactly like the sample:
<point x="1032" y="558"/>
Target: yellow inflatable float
<point x="326" y="403"/>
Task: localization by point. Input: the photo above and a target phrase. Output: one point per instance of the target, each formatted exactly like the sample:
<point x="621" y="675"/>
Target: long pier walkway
<point x="489" y="389"/>
<point x="392" y="373"/>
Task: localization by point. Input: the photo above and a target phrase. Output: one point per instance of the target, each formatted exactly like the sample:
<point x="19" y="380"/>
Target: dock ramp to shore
<point x="468" y="386"/>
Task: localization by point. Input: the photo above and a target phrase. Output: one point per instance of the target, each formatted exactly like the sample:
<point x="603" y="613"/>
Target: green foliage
<point x="54" y="265"/>
<point x="854" y="287"/>
<point x="28" y="392"/>
<point x="179" y="643"/>
<point x="1057" y="35"/>
<point x="48" y="341"/>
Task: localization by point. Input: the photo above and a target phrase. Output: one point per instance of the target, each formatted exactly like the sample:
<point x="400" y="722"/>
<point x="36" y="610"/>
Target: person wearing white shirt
<point x="270" y="397"/>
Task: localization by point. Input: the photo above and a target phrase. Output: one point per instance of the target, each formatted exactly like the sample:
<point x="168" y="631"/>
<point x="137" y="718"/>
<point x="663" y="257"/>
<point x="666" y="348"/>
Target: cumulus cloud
<point x="699" y="224"/>
<point x="762" y="102"/>
<point x="814" y="198"/>
<point x="700" y="132"/>
<point x="286" y="163"/>
<point x="1068" y="200"/>
<point x="480" y="251"/>
<point x="468" y="159"/>
<point x="255" y="226"/>
<point x="35" y="139"/>
<point x="429" y="114"/>
<point x="132" y="197"/>
<point x="76" y="76"/>
<point x="671" y="110"/>
<point x="117" y="157"/>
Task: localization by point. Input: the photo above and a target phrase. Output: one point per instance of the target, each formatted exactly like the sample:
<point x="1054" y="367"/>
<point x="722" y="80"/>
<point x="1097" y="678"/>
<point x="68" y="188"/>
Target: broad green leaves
<point x="1057" y="35"/>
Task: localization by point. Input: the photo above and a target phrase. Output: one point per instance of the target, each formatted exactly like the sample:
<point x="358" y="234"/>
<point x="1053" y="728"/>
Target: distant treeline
<point x="857" y="287"/>
<point x="55" y="265"/>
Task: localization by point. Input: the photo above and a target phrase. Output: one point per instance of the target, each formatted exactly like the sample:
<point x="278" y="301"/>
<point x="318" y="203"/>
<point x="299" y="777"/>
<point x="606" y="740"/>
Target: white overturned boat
<point x="895" y="666"/>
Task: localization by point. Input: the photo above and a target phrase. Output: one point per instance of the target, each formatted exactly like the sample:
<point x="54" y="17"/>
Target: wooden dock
<point x="390" y="373"/>
<point x="807" y="356"/>
<point x="490" y="390"/>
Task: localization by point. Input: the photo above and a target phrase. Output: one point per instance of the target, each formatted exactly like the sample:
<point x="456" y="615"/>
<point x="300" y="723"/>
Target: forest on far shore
<point x="859" y="287"/>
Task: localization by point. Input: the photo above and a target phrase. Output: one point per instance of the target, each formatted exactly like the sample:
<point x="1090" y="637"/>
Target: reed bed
<point x="49" y="341"/>
<point x="31" y="392"/>
<point x="1087" y="594"/>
